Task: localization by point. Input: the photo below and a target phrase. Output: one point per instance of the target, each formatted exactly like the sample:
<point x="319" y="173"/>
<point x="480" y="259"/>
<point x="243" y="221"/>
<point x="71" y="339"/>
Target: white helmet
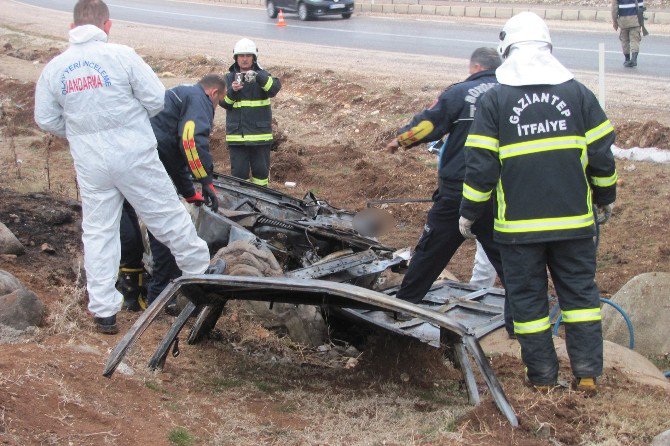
<point x="245" y="46"/>
<point x="523" y="27"/>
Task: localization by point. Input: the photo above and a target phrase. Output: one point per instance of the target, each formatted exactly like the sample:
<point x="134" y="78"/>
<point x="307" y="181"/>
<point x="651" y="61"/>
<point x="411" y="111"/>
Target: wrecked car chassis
<point x="215" y="290"/>
<point x="311" y="240"/>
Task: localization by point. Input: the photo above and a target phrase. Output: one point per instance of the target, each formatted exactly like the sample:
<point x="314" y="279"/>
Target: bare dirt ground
<point x="251" y="386"/>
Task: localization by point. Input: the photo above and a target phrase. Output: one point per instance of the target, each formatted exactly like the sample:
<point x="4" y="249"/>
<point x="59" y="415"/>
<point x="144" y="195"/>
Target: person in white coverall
<point x="101" y="96"/>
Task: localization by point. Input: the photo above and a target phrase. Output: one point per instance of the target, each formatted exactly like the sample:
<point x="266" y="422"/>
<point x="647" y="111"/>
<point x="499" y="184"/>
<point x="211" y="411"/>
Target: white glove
<point x="603" y="212"/>
<point x="250" y="76"/>
<point x="465" y="225"/>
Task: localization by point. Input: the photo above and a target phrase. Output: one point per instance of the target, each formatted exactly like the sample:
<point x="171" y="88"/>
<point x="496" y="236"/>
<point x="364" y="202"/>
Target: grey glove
<point x="603" y="212"/>
<point x="465" y="226"/>
<point x="250" y="76"/>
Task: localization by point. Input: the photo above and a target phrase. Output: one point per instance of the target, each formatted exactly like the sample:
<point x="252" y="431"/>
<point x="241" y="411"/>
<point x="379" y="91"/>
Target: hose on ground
<point x="631" y="332"/>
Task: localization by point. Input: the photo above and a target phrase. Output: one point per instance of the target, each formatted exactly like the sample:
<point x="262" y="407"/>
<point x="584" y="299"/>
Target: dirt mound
<point x="17" y="102"/>
<point x="643" y="134"/>
<point x="37" y="219"/>
<point x="32" y="54"/>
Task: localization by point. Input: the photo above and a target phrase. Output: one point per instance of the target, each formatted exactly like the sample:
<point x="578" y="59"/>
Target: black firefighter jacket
<point x="182" y="130"/>
<point x="249" y="111"/>
<point x="452" y="113"/>
<point x="546" y="151"/>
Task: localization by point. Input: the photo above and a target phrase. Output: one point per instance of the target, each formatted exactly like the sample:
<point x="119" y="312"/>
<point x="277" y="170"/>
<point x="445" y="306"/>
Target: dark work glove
<point x="209" y="193"/>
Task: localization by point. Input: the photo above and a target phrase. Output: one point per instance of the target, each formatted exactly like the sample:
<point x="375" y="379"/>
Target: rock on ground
<point x="645" y="299"/>
<point x="9" y="283"/>
<point x="632" y="364"/>
<point x="662" y="439"/>
<point x="21" y="309"/>
<point x="9" y="244"/>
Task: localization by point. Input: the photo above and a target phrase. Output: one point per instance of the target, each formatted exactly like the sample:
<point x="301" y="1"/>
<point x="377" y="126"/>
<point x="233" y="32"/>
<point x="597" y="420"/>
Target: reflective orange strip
<point x="188" y="141"/>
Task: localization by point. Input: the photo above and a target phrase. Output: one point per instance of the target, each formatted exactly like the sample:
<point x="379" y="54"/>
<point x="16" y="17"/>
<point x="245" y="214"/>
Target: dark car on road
<point x="308" y="9"/>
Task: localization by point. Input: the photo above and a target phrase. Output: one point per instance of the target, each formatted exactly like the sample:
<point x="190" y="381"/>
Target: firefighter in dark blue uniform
<point x="182" y="130"/>
<point x="542" y="141"/>
<point x="249" y="114"/>
<point x="451" y="114"/>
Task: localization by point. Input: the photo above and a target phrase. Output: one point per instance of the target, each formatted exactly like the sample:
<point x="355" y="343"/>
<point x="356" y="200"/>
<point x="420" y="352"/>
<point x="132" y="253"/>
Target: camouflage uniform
<point x="624" y="15"/>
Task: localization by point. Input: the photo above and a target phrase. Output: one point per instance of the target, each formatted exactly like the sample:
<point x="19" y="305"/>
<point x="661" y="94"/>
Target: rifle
<point x="640" y="17"/>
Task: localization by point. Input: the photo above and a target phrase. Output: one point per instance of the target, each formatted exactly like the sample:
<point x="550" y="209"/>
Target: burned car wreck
<point x="309" y="254"/>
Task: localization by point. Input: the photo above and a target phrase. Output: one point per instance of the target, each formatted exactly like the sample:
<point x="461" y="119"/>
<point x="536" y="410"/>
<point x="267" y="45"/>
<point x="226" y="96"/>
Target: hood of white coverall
<point x="531" y="63"/>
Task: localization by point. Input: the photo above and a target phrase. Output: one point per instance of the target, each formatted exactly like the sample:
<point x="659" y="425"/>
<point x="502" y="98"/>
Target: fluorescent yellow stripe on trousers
<point x="531" y="327"/>
<point x="585" y="315"/>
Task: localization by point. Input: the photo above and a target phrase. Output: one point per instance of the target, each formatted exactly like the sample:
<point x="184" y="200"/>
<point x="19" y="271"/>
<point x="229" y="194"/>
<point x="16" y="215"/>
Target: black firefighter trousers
<point x="251" y="158"/>
<point x="572" y="264"/>
<point x="164" y="268"/>
<point x="439" y="242"/>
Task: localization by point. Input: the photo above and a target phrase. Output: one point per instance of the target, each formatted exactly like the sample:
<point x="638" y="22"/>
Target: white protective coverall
<point x="100" y="96"/>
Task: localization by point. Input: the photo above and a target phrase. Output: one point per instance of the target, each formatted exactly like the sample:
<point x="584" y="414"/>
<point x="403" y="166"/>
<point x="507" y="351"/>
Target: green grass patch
<point x="287" y="408"/>
<point x="436" y="396"/>
<point x="222" y="384"/>
<point x="264" y="386"/>
<point x="153" y="386"/>
<point x="179" y="436"/>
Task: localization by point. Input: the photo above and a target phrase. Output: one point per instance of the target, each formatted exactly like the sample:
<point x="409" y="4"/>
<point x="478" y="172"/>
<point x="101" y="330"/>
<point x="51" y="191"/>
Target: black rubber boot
<point x="626" y="62"/>
<point x="130" y="285"/>
<point x="106" y="325"/>
<point x="633" y="60"/>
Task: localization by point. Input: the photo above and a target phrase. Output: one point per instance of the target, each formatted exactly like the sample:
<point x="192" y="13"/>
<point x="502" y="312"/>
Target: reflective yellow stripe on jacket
<point x="531" y="327"/>
<point x="544" y="224"/>
<point x="585" y="315"/>
<point x="268" y="84"/>
<point x="244" y="138"/>
<point x="252" y="103"/>
<point x="605" y="181"/>
<point x="542" y="145"/>
<point x="474" y="195"/>
<point x="599" y="131"/>
<point x="482" y="142"/>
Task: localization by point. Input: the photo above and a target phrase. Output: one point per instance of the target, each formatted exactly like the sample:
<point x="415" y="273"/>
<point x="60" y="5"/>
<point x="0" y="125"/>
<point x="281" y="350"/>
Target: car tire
<point x="271" y="9"/>
<point x="303" y="12"/>
<point x="346" y="15"/>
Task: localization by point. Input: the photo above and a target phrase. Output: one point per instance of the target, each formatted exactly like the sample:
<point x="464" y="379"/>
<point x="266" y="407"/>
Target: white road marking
<point x="349" y="31"/>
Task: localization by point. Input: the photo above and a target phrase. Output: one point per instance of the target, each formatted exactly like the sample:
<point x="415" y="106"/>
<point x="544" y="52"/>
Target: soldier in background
<point x="625" y="19"/>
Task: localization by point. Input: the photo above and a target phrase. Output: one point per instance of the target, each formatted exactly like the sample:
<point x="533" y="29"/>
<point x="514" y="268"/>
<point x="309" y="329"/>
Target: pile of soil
<point x="643" y="134"/>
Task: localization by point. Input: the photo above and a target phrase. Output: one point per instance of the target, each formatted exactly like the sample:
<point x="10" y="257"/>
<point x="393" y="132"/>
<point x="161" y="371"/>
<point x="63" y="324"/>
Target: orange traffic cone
<point x="281" y="21"/>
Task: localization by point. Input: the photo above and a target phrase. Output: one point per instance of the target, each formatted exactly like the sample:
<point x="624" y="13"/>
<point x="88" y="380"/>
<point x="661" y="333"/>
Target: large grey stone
<point x="9" y="283"/>
<point x="21" y="309"/>
<point x="662" y="439"/>
<point x="9" y="244"/>
<point x="646" y="300"/>
<point x="632" y="364"/>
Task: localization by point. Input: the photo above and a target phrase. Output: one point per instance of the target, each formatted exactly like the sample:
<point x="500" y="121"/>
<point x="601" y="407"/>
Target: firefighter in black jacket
<point x="182" y="130"/>
<point x="249" y="114"/>
<point x="451" y="114"/>
<point x="541" y="139"/>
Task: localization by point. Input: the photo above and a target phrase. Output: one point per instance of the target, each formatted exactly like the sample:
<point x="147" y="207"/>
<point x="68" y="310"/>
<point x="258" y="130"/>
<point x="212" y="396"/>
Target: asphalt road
<point x="577" y="49"/>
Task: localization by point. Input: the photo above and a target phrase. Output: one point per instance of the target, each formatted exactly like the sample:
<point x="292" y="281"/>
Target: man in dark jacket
<point x="451" y="114"/>
<point x="182" y="130"/>
<point x="249" y="114"/>
<point x="541" y="139"/>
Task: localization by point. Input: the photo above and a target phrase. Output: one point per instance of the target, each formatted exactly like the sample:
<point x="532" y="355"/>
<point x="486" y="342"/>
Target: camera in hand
<point x="239" y="78"/>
